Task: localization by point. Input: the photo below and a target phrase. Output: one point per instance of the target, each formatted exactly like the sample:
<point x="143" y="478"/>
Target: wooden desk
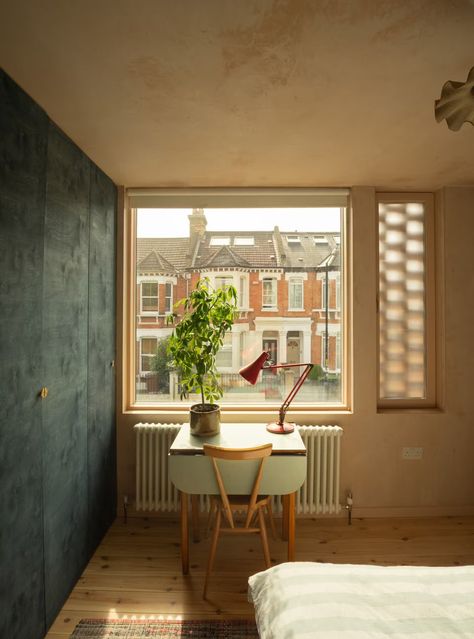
<point x="191" y="472"/>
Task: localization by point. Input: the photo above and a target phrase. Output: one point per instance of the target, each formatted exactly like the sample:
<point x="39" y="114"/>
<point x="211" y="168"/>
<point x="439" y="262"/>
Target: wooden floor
<point x="136" y="570"/>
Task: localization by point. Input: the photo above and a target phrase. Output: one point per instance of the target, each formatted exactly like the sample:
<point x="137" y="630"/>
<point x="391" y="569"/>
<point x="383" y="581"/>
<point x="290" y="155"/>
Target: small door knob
<point x="44" y="392"/>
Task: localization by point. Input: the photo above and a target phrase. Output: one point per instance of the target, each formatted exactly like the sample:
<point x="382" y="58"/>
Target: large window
<point x="278" y="249"/>
<point x="406" y="301"/>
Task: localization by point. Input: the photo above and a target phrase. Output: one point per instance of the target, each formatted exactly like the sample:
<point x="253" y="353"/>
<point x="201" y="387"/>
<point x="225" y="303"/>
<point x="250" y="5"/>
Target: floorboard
<point x="136" y="570"/>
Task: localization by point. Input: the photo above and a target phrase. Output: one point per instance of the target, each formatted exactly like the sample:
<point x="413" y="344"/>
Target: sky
<point x="174" y="222"/>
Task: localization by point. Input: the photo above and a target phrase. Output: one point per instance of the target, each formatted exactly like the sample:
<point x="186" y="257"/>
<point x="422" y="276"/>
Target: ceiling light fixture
<point x="456" y="104"/>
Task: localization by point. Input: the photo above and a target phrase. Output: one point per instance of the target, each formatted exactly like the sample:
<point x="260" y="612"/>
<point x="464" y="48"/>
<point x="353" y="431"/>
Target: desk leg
<point x="291" y="527"/>
<point x="184" y="533"/>
<point x="288" y="524"/>
<point x="284" y="518"/>
<point x="195" y="516"/>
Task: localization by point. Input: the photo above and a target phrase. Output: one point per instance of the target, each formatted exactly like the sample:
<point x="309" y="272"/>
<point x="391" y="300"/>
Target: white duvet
<point x="332" y="601"/>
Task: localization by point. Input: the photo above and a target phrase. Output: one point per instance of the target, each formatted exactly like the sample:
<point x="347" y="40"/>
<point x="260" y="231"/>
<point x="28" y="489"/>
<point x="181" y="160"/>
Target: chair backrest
<point x="238" y="454"/>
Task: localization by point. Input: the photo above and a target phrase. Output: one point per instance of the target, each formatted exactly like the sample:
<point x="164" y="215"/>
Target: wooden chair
<point x="225" y="505"/>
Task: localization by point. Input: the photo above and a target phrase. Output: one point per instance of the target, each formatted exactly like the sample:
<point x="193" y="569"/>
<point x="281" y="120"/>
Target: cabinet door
<point x="23" y="138"/>
<point x="65" y="336"/>
<point x="101" y="453"/>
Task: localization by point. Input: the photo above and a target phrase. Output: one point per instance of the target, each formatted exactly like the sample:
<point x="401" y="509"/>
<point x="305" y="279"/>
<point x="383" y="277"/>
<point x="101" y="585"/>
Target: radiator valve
<point x="348" y="507"/>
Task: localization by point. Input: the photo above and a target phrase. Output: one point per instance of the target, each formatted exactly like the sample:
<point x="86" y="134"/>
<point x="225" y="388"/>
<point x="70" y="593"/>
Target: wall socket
<point x="412" y="452"/>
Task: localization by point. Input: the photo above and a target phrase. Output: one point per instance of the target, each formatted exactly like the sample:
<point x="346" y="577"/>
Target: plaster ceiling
<point x="250" y="92"/>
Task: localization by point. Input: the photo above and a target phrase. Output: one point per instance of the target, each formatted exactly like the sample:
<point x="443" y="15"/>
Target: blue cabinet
<point x="57" y="319"/>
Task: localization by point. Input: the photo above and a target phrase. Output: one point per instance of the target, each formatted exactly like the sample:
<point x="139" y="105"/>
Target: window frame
<point x="291" y="283"/>
<point x="148" y="312"/>
<point x="274" y="293"/>
<point x="144" y="372"/>
<point x="133" y="199"/>
<point x="169" y="297"/>
<point x="430" y="399"/>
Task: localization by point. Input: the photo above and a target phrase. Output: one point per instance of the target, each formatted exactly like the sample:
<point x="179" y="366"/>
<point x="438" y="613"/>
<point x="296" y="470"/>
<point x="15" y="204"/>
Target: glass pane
<point x="255" y="250"/>
<point x="401" y="301"/>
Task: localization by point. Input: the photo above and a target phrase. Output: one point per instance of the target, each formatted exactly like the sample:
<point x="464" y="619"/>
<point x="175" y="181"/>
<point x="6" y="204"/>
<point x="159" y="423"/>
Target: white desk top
<point x="239" y="436"/>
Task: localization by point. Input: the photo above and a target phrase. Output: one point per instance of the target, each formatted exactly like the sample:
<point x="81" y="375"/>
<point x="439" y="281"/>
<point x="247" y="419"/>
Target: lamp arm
<point x="291" y="395"/>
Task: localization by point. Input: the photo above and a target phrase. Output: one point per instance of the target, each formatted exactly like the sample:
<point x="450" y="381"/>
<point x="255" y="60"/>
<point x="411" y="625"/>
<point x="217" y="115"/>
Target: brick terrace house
<point x="281" y="283"/>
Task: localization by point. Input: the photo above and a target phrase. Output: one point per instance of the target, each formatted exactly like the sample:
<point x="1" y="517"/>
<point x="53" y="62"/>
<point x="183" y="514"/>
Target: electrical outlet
<point x="412" y="452"/>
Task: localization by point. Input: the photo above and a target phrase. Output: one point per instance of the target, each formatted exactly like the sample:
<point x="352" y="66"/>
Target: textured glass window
<point x="402" y="307"/>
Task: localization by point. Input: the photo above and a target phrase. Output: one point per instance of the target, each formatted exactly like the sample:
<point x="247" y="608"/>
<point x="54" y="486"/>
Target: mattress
<point x="305" y="599"/>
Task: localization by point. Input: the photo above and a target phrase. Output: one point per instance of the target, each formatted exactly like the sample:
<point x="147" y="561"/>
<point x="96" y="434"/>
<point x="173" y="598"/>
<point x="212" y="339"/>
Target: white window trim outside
<point x="235" y="280"/>
<point x="142" y="355"/>
<point x="291" y="279"/>
<point x="142" y="310"/>
<point x="169" y="297"/>
<point x="160" y="279"/>
<point x="274" y="294"/>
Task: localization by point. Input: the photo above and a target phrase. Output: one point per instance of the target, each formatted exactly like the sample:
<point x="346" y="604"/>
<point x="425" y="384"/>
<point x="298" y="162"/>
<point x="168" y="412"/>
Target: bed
<point x="344" y="601"/>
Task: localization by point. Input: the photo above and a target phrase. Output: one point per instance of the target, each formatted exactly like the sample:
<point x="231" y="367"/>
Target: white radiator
<point x="318" y="495"/>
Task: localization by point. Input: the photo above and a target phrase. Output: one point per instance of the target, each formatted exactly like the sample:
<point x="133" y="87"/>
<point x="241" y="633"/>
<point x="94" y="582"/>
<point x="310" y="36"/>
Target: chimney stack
<point x="197" y="229"/>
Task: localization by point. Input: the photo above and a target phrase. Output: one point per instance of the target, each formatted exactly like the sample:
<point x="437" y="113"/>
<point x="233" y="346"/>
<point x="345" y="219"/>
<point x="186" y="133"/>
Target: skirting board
<point x="413" y="511"/>
<point x="357" y="512"/>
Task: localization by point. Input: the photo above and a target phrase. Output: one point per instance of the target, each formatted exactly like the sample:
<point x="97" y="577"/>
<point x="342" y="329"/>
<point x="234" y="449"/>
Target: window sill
<point x="420" y="410"/>
<point x="248" y="414"/>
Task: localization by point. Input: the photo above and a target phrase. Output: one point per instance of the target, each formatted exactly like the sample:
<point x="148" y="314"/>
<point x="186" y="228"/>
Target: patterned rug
<point x="138" y="629"/>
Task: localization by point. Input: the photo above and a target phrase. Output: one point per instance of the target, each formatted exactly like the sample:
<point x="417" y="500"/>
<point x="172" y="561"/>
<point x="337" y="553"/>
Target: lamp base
<point x="280" y="429"/>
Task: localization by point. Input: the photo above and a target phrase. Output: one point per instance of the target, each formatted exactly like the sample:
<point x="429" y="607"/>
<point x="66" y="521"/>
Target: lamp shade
<point x="252" y="370"/>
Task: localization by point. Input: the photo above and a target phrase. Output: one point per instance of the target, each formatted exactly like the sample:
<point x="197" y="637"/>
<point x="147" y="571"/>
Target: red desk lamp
<point x="251" y="373"/>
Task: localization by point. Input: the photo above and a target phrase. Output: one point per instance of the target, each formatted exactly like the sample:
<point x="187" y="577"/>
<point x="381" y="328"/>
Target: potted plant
<point x="208" y="315"/>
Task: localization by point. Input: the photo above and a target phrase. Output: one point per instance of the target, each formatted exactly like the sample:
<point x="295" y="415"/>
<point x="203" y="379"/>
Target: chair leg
<point x="263" y="534"/>
<point x="270" y="516"/>
<point x="212" y="552"/>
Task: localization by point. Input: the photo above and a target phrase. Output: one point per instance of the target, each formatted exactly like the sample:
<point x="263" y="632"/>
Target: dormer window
<point x="219" y="241"/>
<point x="244" y="241"/>
<point x="293" y="240"/>
<point x="320" y="239"/>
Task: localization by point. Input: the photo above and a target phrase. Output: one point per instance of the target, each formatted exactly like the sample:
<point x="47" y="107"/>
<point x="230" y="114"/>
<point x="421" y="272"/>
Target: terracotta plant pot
<point x="205" y="419"/>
